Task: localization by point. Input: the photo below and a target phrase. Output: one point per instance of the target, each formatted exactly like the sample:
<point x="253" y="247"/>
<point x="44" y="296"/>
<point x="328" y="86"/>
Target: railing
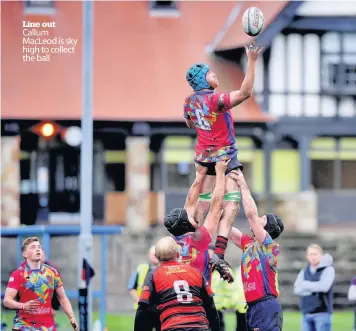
<point x="46" y="232"/>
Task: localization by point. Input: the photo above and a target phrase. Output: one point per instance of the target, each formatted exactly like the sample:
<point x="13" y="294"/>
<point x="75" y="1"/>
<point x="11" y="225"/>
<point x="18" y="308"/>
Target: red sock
<point x="220" y="246"/>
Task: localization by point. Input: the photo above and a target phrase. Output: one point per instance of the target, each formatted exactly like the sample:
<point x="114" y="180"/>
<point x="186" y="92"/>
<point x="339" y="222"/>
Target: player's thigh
<point x="208" y="184"/>
<point x="230" y="185"/>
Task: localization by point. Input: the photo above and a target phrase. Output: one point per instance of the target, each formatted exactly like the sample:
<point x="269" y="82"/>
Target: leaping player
<point x="210" y="114"/>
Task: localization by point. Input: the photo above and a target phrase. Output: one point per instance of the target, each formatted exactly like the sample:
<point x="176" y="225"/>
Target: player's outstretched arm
<point x="194" y="191"/>
<point x="212" y="220"/>
<point x="235" y="236"/>
<point x="237" y="97"/>
<point x="249" y="205"/>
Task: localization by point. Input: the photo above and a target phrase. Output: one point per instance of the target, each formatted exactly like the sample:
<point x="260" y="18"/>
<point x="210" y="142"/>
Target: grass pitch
<point x="342" y="321"/>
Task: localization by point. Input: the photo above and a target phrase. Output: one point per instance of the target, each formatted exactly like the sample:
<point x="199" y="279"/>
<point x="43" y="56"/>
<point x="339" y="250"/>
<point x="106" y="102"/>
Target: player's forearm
<point x="249" y="80"/>
<point x="134" y="295"/>
<point x="12" y="304"/>
<point x="235" y="236"/>
<point x="67" y="307"/>
<point x="193" y="194"/>
<point x="248" y="203"/>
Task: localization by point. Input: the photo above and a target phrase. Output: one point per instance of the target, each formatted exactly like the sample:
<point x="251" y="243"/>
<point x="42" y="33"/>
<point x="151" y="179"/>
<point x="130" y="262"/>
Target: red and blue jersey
<point x="193" y="249"/>
<point x="259" y="267"/>
<point x="211" y="115"/>
<point x="35" y="285"/>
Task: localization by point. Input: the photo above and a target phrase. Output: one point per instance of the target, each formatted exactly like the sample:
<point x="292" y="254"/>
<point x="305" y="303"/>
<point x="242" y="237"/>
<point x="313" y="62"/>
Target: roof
<point x="277" y="15"/>
<point x="139" y="63"/>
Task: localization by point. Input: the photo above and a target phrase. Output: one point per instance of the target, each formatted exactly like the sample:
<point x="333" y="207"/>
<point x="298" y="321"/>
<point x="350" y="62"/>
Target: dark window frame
<point x="337" y="71"/>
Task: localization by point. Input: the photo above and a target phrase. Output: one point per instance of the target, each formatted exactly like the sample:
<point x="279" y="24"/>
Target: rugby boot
<point x="222" y="267"/>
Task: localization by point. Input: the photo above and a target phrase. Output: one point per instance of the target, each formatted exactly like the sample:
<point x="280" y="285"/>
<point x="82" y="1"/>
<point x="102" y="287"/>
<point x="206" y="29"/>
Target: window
<point x="115" y="177"/>
<point x="348" y="174"/>
<point x="322" y="174"/>
<point x="338" y="63"/>
<point x="164" y="4"/>
<point x="64" y="180"/>
<point x="164" y="9"/>
<point x="333" y="163"/>
<point x="340" y="75"/>
<point x="39" y="7"/>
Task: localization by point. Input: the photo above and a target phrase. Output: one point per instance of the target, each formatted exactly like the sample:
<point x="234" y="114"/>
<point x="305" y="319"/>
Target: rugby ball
<point x="252" y="21"/>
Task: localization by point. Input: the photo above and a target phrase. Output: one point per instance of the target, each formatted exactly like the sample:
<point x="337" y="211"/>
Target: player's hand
<point x="74" y="323"/>
<point x="237" y="176"/>
<point x="252" y="51"/>
<point x="31" y="305"/>
<point x="221" y="166"/>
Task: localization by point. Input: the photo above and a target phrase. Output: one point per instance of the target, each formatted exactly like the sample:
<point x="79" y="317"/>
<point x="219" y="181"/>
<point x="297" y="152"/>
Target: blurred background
<point x="296" y="136"/>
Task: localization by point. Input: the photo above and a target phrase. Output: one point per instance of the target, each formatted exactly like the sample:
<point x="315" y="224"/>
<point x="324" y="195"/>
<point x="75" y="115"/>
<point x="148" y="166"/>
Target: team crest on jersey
<point x="187" y="253"/>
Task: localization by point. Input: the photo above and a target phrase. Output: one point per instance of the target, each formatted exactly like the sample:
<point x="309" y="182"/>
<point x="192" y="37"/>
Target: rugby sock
<point x="220" y="246"/>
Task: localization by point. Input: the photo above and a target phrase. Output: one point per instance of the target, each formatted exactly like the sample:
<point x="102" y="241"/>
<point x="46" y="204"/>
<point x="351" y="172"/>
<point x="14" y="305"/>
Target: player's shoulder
<point x="218" y="95"/>
<point x="152" y="273"/>
<point x="17" y="272"/>
<point x="187" y="99"/>
<point x="269" y="242"/>
<point x="192" y="270"/>
<point x="200" y="233"/>
<point x="50" y="269"/>
<point x="246" y="240"/>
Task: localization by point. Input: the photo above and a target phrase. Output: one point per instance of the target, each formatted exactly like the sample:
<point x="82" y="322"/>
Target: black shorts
<point x="233" y="165"/>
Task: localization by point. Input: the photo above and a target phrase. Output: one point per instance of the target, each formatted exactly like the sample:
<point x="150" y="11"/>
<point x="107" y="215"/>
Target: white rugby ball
<point x="252" y="21"/>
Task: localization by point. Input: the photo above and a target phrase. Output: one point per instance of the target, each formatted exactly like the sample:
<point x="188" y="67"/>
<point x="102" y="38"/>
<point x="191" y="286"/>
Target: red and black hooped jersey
<point x="179" y="291"/>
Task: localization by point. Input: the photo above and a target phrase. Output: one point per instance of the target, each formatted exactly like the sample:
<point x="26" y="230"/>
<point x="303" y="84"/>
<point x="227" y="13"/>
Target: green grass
<point x="342" y="321"/>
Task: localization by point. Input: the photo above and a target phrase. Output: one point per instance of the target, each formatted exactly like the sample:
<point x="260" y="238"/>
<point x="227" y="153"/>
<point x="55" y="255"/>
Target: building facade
<point x="296" y="134"/>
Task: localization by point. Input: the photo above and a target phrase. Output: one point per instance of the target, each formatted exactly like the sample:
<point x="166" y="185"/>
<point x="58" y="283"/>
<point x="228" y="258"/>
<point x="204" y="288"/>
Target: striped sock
<point x="220" y="246"/>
